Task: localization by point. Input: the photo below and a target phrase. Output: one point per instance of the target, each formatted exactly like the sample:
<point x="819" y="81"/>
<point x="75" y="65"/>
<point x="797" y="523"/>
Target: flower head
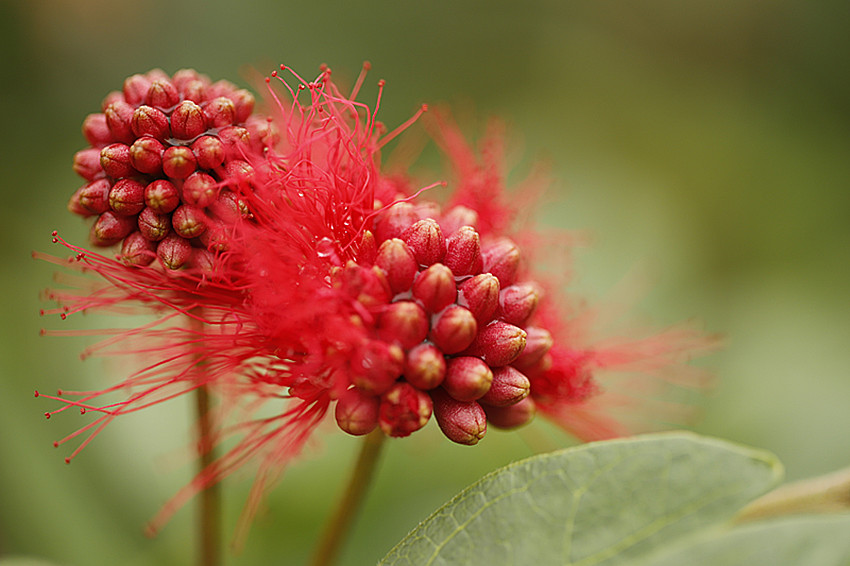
<point x="314" y="279"/>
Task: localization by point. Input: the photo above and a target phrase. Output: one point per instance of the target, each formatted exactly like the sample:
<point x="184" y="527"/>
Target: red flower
<point x="316" y="280"/>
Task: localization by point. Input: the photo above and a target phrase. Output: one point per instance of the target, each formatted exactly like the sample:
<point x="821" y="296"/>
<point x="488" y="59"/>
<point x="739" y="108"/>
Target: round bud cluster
<point x="163" y="154"/>
<point x="451" y="333"/>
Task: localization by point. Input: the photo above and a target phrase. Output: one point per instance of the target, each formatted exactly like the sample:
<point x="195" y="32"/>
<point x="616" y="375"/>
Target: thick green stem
<point x="209" y="512"/>
<point x="343" y="518"/>
<point x="823" y="494"/>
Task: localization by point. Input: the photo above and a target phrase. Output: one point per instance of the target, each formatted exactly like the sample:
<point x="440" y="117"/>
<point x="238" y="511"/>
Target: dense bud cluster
<point x="451" y="323"/>
<point x="161" y="164"/>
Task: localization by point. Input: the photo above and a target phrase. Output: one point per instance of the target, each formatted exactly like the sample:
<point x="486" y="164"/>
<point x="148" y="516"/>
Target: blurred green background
<point x="703" y="143"/>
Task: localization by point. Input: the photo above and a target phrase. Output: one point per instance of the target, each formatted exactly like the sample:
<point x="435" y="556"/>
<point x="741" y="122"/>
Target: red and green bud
<point x="200" y="189"/>
<point x="463" y="252"/>
<point x="395" y="220"/>
<point x="426" y="240"/>
<point x="209" y="152"/>
<point x="396" y="259"/>
<point x="404" y="322"/>
<point x="174" y="251"/>
<point x="367" y="252"/>
<point x="127" y="197"/>
<point x="425" y="366"/>
<point x="137" y="250"/>
<point x="162" y="196"/>
<point x="96" y="131"/>
<point x="116" y="161"/>
<point x="162" y="94"/>
<point x="189" y="221"/>
<point x="518" y="302"/>
<point x="467" y="378"/>
<point x="233" y="136"/>
<point x="202" y="260"/>
<point x="87" y="164"/>
<point x="509" y="387"/>
<point x="119" y="118"/>
<point x="435" y="288"/>
<point x="146" y="155"/>
<point x="512" y="416"/>
<point x="94" y="197"/>
<point x="403" y="410"/>
<point x="480" y="295"/>
<point x="178" y="162"/>
<point x="461" y="422"/>
<point x="215" y="236"/>
<point x="228" y="208"/>
<point x="148" y="121"/>
<point x="498" y="343"/>
<point x="368" y="286"/>
<point x="74" y="205"/>
<point x="538" y="343"/>
<point x="376" y="366"/>
<point x="357" y="412"/>
<point x="153" y="225"/>
<point x="220" y="112"/>
<point x="454" y="330"/>
<point x="243" y="102"/>
<point x="501" y="258"/>
<point x="457" y="217"/>
<point x="111" y="228"/>
<point x="136" y="88"/>
<point x="187" y="121"/>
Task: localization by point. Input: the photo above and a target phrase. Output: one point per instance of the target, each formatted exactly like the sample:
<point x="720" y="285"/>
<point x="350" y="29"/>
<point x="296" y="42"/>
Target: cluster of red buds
<point x="163" y="153"/>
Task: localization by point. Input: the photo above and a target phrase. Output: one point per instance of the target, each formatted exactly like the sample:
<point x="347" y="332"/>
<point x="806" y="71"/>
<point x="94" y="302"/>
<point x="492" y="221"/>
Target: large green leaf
<point x="599" y="504"/>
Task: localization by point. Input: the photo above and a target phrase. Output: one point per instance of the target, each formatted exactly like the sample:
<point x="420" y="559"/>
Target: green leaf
<point x="813" y="541"/>
<point x="603" y="503"/>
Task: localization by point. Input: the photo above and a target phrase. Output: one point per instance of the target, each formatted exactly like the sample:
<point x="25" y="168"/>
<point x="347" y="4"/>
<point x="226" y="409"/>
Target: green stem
<point x="209" y="516"/>
<point x="823" y="494"/>
<point x="340" y="524"/>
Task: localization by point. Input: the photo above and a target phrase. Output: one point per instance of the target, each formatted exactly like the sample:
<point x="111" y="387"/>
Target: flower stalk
<point x="339" y="525"/>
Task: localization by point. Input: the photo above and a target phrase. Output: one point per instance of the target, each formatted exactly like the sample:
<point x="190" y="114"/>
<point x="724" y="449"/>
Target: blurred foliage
<point x="704" y="144"/>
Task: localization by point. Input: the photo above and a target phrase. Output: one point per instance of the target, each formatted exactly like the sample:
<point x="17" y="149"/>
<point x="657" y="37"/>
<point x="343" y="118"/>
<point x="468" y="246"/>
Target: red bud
<point x="174" y="252"/>
<point x="136" y="88"/>
<point x="127" y="197"/>
<point x="94" y="197"/>
<point x="518" y="302"/>
<point x="435" y="288"/>
<point x="404" y="322"/>
<point x="154" y="226"/>
<point x="146" y="155"/>
<point x="209" y="152"/>
<point x="96" y="131"/>
<point x="480" y="295"/>
<point x="457" y="217"/>
<point x="461" y="422"/>
<point x="403" y="410"/>
<point x="463" y="252"/>
<point x="116" y="162"/>
<point x="87" y="164"/>
<point x="110" y="228"/>
<point x="162" y="196"/>
<point x="200" y="189"/>
<point x="187" y="121"/>
<point x="425" y="366"/>
<point x="376" y="366"/>
<point x="454" y="330"/>
<point x="178" y="162"/>
<point x="189" y="221"/>
<point x="162" y="94"/>
<point x="426" y="240"/>
<point x="137" y="250"/>
<point x="501" y="258"/>
<point x="498" y="343"/>
<point x="394" y="221"/>
<point x="509" y="387"/>
<point x="119" y="117"/>
<point x="220" y="112"/>
<point x="512" y="416"/>
<point x="357" y="412"/>
<point x="148" y="121"/>
<point x="467" y="378"/>
<point x="538" y="343"/>
<point x="243" y="102"/>
<point x="396" y="259"/>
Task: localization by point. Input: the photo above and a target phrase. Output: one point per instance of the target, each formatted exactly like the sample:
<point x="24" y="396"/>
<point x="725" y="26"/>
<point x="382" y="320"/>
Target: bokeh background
<point x="704" y="144"/>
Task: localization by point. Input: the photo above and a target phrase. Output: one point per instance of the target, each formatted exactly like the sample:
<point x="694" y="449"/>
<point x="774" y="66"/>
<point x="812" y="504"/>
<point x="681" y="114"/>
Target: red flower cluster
<point x="328" y="283"/>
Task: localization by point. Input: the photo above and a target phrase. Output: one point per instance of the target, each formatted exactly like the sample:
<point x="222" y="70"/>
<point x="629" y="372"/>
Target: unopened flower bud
<point x="189" y="221"/>
<point x="162" y="196"/>
<point x="463" y="252"/>
<point x="425" y="366"/>
<point x="200" y="189"/>
<point x="173" y="251"/>
<point x="146" y="155"/>
<point x="238" y="172"/>
<point x="136" y="88"/>
<point x="162" y="94"/>
<point x="96" y="131"/>
<point x="457" y="217"/>
<point x="74" y="206"/>
<point x="454" y="330"/>
<point x="461" y="422"/>
<point x="233" y="136"/>
<point x="221" y="87"/>
<point x="538" y="343"/>
<point x="498" y="343"/>
<point x="426" y="240"/>
<point x="435" y="288"/>
<point x="209" y="152"/>
<point x="111" y="228"/>
<point x="501" y="258"/>
<point x="185" y="77"/>
<point x="127" y="197"/>
<point x="187" y="121"/>
<point x="404" y="322"/>
<point x="243" y="101"/>
<point x="137" y="250"/>
<point x="376" y="366"/>
<point x="368" y="286"/>
<point x="87" y="164"/>
<point x="153" y="225"/>
<point x="94" y="197"/>
<point x="512" y="416"/>
<point x="178" y="162"/>
<point x="396" y="259"/>
<point x="116" y="161"/>
<point x="357" y="412"/>
<point x="220" y="112"/>
<point x="202" y="261"/>
<point x="148" y="121"/>
<point x="119" y="118"/>
<point x="467" y="378"/>
<point x="368" y="249"/>
<point x="509" y="387"/>
<point x="403" y="410"/>
<point x="228" y="207"/>
<point x="195" y="90"/>
<point x="518" y="302"/>
<point x="215" y="236"/>
<point x="394" y="221"/>
<point x="112" y="97"/>
<point x="263" y="133"/>
<point x="480" y="295"/>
